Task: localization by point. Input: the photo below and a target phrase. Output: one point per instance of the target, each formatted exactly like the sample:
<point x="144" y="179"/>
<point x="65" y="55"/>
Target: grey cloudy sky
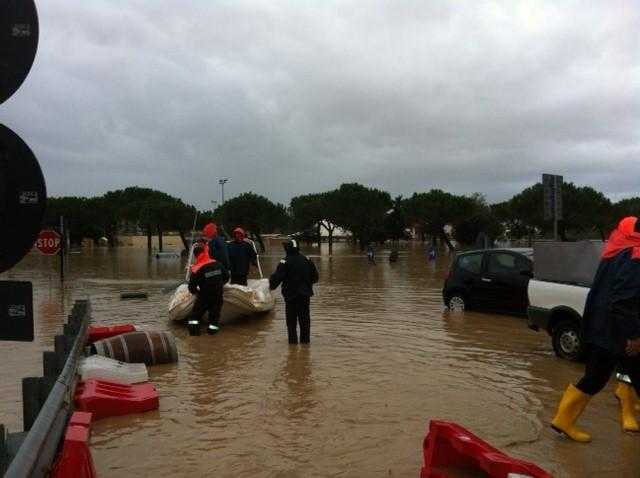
<point x="292" y="97"/>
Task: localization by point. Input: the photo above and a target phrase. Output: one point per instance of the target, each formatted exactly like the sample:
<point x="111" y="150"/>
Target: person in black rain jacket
<point x="611" y="331"/>
<point x="206" y="283"/>
<point x="241" y="257"/>
<point x="297" y="274"/>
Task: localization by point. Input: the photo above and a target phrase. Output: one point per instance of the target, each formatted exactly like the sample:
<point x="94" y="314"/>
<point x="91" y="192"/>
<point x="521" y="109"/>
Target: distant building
<point x="338" y="233"/>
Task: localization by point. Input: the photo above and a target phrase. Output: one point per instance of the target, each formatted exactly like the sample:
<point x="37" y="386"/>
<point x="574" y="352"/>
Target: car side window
<point x="501" y="263"/>
<point x="523" y="264"/>
<point x="470" y="263"/>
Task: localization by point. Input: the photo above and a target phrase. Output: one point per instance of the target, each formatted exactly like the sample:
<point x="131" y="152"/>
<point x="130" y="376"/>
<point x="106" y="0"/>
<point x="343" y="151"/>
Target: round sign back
<point x="23" y="198"/>
<point x="18" y="43"/>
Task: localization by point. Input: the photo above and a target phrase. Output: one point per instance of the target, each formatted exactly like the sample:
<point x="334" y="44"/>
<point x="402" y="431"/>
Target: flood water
<point x="385" y="359"/>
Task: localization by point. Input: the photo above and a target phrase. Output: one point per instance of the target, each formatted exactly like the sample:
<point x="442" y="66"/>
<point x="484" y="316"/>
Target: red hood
<point x="202" y="260"/>
<point x="210" y="230"/>
<point x="625" y="236"/>
<point x="239" y="230"/>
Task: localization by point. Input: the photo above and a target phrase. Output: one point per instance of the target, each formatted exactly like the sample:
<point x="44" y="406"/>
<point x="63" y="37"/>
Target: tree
<point x="361" y="211"/>
<point x="627" y="207"/>
<point x="395" y="222"/>
<point x="585" y="210"/>
<point x="151" y="210"/>
<point x="523" y="214"/>
<point x="435" y="209"/>
<point x="307" y="214"/>
<point x="315" y="211"/>
<point x="254" y="213"/>
<point x="482" y="220"/>
<point x="80" y="218"/>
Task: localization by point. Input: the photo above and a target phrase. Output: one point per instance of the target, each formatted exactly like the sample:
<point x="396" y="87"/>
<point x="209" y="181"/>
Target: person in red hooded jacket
<point x="206" y="282"/>
<point x="216" y="244"/>
<point x="611" y="331"/>
<point x="242" y="256"/>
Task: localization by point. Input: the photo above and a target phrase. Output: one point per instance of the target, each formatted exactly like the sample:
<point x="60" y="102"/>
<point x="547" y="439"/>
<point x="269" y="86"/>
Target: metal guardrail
<point x="48" y="401"/>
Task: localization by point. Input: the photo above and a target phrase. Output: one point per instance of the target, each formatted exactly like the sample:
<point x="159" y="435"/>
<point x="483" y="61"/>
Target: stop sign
<point x="49" y="242"/>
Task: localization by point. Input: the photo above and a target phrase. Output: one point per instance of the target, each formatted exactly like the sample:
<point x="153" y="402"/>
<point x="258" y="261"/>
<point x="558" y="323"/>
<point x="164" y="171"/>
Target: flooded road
<point x="384" y="360"/>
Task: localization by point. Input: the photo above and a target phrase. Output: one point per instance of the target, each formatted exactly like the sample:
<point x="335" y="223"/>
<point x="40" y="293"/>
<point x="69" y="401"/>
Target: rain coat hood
<point x="291" y="247"/>
<point x="625" y="236"/>
<point x="210" y="230"/>
<point x="239" y="231"/>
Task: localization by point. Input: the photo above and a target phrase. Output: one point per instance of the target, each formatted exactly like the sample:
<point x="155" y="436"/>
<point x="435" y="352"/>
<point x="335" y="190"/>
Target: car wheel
<point x="456" y="302"/>
<point x="567" y="342"/>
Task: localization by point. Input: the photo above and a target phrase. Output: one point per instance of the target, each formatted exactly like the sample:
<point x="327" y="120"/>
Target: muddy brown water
<point x="385" y="358"/>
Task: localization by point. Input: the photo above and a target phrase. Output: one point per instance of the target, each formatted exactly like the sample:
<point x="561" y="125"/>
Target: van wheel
<point x="567" y="342"/>
<point x="456" y="302"/>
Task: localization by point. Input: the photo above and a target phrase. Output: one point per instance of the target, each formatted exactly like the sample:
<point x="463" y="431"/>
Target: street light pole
<point x="222" y="182"/>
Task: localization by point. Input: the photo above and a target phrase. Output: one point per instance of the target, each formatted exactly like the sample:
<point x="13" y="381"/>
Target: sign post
<point x="552" y="185"/>
<point x="63" y="245"/>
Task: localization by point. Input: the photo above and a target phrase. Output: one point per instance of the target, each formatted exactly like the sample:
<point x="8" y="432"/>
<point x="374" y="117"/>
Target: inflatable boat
<point x="239" y="301"/>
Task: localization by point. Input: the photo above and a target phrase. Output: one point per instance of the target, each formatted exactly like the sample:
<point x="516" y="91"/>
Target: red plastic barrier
<point x="108" y="399"/>
<point x="75" y="459"/>
<point x="98" y="333"/>
<point x="449" y="445"/>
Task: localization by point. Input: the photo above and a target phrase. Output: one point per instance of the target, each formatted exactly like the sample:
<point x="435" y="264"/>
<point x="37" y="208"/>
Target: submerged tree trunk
<point x="363" y="243"/>
<point x="562" y="232"/>
<point x="159" y="239"/>
<point x="319" y="229"/>
<point x="330" y="239"/>
<point x="111" y="236"/>
<point x="149" y="240"/>
<point x="183" y="239"/>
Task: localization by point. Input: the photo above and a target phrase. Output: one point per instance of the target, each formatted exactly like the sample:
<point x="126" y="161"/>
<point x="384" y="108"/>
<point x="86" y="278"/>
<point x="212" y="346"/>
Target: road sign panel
<point x="23" y="198"/>
<point x="18" y="43"/>
<point x="16" y="311"/>
<point x="552" y="187"/>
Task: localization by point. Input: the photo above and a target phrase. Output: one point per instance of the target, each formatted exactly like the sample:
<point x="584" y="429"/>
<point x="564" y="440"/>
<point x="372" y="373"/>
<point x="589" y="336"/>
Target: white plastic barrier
<point x="104" y="368"/>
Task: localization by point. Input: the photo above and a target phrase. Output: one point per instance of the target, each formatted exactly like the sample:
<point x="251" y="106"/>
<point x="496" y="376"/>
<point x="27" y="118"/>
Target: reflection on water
<point x="384" y="359"/>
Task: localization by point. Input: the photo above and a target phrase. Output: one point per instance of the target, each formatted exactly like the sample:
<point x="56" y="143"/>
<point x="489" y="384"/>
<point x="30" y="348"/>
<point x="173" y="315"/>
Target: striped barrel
<point x="149" y="347"/>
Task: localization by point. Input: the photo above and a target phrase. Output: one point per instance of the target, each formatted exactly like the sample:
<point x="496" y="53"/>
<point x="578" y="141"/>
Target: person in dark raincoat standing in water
<point x="206" y="282"/>
<point x="242" y="256"/>
<point x="611" y="331"/>
<point x="297" y="274"/>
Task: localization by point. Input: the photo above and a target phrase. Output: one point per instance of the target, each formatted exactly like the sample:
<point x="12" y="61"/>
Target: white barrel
<point x="103" y="368"/>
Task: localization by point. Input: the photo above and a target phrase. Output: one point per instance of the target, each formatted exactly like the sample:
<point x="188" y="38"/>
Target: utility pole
<point x="63" y="244"/>
<point x="222" y="182"/>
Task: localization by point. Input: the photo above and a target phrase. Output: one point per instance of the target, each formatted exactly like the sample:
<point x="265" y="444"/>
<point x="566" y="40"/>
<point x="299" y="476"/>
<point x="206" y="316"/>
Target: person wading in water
<point x="611" y="330"/>
<point x="297" y="274"/>
<point x="241" y="257"/>
<point x="206" y="283"/>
